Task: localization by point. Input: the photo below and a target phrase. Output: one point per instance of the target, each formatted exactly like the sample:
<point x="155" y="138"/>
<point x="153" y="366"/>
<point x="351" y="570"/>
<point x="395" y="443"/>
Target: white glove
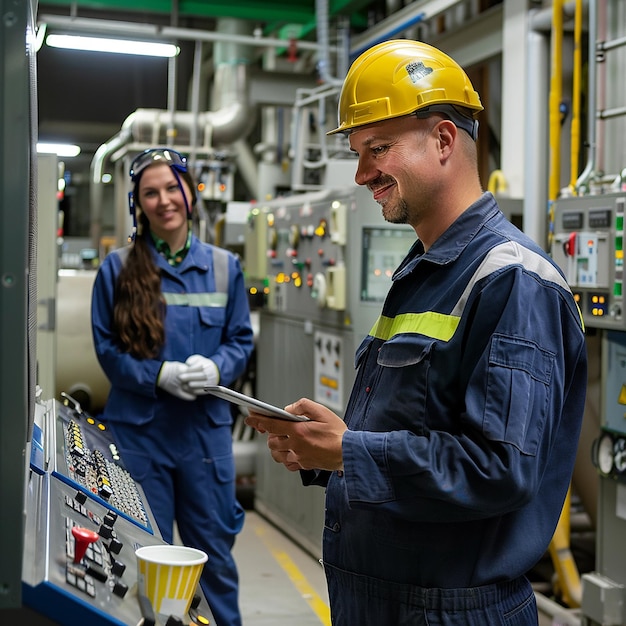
<point x="169" y="379"/>
<point x="201" y="373"/>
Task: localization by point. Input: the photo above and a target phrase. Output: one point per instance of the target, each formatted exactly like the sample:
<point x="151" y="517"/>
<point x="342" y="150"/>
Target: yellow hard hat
<point x="399" y="77"/>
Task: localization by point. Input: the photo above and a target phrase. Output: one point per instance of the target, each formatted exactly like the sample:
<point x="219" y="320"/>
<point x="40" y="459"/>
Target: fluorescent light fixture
<point x="118" y="46"/>
<point x="60" y="149"/>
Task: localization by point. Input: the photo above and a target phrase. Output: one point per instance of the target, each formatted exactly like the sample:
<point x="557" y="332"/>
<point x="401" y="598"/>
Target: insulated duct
<point x="231" y="120"/>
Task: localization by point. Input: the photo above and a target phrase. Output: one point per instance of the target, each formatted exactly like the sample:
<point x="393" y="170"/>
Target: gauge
<point x="604" y="458"/>
<point x="619" y="455"/>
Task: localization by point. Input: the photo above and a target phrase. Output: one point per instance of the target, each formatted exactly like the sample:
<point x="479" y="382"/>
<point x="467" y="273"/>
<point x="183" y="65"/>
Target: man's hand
<point x="315" y="444"/>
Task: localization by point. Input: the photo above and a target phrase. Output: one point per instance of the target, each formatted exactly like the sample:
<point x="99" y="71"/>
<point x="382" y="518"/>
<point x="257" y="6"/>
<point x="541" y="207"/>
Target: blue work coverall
<point x="181" y="451"/>
<point x="463" y="426"/>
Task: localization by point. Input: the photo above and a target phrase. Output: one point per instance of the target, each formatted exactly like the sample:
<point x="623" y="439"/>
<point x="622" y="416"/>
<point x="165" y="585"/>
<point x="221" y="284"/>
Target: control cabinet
<point x="588" y="245"/>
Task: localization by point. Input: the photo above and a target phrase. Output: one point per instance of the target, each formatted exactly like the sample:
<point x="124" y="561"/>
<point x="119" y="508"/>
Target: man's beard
<point x="398" y="215"/>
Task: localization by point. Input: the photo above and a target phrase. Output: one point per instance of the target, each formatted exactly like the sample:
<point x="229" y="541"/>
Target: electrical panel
<point x="588" y="245"/>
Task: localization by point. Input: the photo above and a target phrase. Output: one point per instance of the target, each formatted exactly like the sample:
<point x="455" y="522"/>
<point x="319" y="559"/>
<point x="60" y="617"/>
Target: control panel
<point x="296" y="248"/>
<point x="588" y="245"/>
<point x="87" y="458"/>
<point x="85" y="517"/>
<point x="79" y="563"/>
<point x="317" y="256"/>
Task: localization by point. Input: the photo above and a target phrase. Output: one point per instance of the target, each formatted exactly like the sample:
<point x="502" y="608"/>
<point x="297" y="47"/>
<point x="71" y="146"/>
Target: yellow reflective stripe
<point x="429" y="324"/>
<point x="215" y="299"/>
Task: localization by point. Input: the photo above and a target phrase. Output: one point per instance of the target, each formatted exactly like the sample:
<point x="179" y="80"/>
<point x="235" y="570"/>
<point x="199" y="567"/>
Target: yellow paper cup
<point x="168" y="576"/>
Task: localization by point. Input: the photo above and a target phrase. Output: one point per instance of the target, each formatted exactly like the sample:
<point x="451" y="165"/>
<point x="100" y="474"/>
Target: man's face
<point x="397" y="163"/>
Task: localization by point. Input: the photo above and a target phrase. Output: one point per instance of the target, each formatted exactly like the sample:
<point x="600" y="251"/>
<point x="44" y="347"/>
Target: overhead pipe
<point x="233" y="118"/>
<point x="321" y="13"/>
<point x="118" y="28"/>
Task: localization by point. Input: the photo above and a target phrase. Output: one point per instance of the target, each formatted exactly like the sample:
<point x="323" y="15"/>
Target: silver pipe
<point x="541" y="20"/>
<point x="611" y="45"/>
<point x="583" y="179"/>
<point x="195" y="96"/>
<point x="95" y="185"/>
<point x="536" y="153"/>
<point x="115" y="28"/>
<point x="321" y="14"/>
<point x="93" y="26"/>
<point x="171" y="99"/>
<point x="247" y="165"/>
<point x="251" y="40"/>
<point x="609" y="113"/>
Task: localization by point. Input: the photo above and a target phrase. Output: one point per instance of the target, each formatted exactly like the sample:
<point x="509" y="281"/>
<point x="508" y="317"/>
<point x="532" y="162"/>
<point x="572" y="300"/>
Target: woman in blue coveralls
<point x="170" y="317"/>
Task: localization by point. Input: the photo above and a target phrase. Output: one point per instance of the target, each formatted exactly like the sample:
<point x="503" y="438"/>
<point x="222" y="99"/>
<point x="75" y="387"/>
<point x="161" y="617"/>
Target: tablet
<point x="252" y="403"/>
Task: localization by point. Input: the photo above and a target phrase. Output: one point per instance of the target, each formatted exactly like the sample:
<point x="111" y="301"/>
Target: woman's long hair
<point x="139" y="307"/>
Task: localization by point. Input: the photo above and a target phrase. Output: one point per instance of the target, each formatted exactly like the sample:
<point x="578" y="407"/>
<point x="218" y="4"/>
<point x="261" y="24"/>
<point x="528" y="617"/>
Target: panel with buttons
<point x="79" y="560"/>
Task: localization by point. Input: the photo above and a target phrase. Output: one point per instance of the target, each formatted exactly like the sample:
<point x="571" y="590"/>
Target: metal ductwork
<point x="231" y="120"/>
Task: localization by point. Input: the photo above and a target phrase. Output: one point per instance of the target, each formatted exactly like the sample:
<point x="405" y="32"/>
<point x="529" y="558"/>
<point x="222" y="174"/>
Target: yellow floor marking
<point x="320" y="608"/>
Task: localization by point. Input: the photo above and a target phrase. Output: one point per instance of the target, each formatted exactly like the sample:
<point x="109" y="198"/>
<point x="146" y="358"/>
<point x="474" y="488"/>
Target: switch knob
<point x="83" y="539"/>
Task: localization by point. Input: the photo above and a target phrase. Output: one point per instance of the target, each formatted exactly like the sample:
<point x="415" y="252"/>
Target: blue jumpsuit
<point x="463" y="428"/>
<point x="179" y="451"/>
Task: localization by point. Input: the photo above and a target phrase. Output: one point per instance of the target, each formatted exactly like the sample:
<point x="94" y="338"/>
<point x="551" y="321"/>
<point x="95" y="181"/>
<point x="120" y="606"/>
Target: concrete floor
<point x="280" y="584"/>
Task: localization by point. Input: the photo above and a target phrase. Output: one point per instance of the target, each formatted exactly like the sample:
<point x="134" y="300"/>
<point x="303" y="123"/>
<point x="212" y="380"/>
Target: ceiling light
<point x="118" y="46"/>
<point x="60" y="149"/>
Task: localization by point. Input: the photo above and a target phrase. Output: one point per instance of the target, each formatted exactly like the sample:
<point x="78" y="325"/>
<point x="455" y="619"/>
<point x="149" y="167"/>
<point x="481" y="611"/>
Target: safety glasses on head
<point x="151" y="156"/>
<point x="157" y="155"/>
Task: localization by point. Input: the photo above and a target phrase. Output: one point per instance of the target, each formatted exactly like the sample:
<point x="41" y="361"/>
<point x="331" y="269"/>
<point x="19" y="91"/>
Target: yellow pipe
<point x="559" y="549"/>
<point x="497" y="182"/>
<point x="563" y="560"/>
<point x="556" y="92"/>
<point x="575" y="131"/>
<point x="554" y="111"/>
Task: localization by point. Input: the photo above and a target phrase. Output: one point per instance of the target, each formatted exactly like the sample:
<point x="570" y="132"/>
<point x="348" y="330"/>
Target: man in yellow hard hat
<point x="446" y="478"/>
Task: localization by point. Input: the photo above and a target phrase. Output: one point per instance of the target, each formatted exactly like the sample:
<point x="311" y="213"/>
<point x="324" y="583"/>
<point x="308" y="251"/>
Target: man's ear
<point x="448" y="132"/>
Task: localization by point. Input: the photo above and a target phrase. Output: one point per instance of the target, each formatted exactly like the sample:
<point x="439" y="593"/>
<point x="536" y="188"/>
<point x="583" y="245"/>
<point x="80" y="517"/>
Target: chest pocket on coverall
<point x="398" y="369"/>
<point x="212" y="321"/>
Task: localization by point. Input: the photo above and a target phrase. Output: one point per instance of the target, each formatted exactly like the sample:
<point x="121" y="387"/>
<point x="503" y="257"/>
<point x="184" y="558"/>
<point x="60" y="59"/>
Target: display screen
<point x="383" y="250"/>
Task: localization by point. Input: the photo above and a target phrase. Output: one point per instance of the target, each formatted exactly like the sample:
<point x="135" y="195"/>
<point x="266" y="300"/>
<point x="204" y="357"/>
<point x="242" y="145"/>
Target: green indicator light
<point x="619" y="222"/>
<point x="619" y="243"/>
<point x="617" y="289"/>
